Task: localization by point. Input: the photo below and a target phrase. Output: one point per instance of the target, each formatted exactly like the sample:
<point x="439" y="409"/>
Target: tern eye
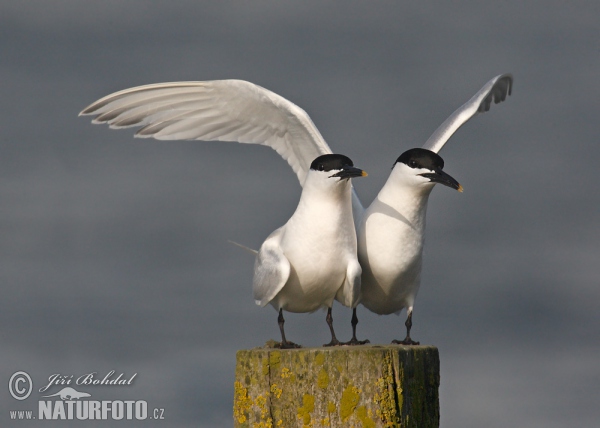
<point x="321" y="167"/>
<point x="412" y="163"/>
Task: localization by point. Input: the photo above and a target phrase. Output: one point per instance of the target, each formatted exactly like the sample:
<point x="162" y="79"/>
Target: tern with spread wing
<point x="390" y="231"/>
<point x="311" y="260"/>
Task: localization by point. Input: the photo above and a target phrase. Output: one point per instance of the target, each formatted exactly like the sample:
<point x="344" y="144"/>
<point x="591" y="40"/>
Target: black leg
<point x="284" y="343"/>
<point x="407" y="340"/>
<point x="329" y="319"/>
<point x="354" y="340"/>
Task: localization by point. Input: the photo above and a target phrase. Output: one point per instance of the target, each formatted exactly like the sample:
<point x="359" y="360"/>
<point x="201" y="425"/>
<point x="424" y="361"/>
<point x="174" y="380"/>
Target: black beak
<point x="439" y="176"/>
<point x="349" y="172"/>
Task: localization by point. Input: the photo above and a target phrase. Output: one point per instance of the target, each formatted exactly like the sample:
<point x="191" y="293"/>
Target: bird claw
<point x="287" y="345"/>
<point x="334" y="342"/>
<point x="408" y="341"/>
<point x="354" y="341"/>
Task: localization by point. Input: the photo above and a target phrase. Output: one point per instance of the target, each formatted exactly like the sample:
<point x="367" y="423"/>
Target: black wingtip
<point x="502" y="88"/>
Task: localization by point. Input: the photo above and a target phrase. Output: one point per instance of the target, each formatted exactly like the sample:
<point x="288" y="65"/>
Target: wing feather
<point x="496" y="91"/>
<point x="271" y="269"/>
<point x="349" y="293"/>
<point x="219" y="110"/>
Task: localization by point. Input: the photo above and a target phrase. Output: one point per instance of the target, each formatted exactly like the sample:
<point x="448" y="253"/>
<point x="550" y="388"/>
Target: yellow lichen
<point x="261" y="403"/>
<point x="308" y="406"/>
<point x="349" y="401"/>
<point x="241" y="403"/>
<point x="365" y="417"/>
<point x="263" y="424"/>
<point x="276" y="390"/>
<point x="322" y="379"/>
<point x="384" y="399"/>
<point x="331" y="398"/>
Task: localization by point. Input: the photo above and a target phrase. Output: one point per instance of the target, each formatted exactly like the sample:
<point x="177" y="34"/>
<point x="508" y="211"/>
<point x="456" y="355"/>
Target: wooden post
<point x="360" y="386"/>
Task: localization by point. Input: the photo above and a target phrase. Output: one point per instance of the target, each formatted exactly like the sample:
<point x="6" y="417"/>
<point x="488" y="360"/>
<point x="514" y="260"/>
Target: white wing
<point x="495" y="90"/>
<point x="271" y="269"/>
<point x="218" y="110"/>
<point x="349" y="293"/>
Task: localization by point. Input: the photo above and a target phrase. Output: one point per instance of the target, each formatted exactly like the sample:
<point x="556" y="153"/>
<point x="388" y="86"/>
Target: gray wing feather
<point x="218" y="110"/>
<point x="496" y="91"/>
<point x="271" y="269"/>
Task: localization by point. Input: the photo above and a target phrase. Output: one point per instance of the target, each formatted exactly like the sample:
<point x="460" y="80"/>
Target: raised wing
<point x="271" y="269"/>
<point x="496" y="90"/>
<point x="218" y="110"/>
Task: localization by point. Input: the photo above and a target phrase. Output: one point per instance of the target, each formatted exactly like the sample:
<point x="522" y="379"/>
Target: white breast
<point x="390" y="248"/>
<point x="318" y="250"/>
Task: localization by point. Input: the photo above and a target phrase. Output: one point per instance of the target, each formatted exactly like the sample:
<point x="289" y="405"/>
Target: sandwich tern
<point x="390" y="231"/>
<point x="309" y="261"/>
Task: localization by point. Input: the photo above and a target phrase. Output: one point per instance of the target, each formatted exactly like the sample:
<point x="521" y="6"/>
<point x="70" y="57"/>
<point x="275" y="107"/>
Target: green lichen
<point x="308" y="406"/>
<point x="323" y="379"/>
<point x="399" y="389"/>
<point x="320" y="359"/>
<point x="365" y="417"/>
<point x="272" y="362"/>
<point x="349" y="401"/>
<point x="331" y="407"/>
<point x="384" y="398"/>
<point x="274" y="358"/>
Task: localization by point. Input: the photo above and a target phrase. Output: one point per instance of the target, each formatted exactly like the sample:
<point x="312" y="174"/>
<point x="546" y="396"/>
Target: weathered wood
<point x="360" y="386"/>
